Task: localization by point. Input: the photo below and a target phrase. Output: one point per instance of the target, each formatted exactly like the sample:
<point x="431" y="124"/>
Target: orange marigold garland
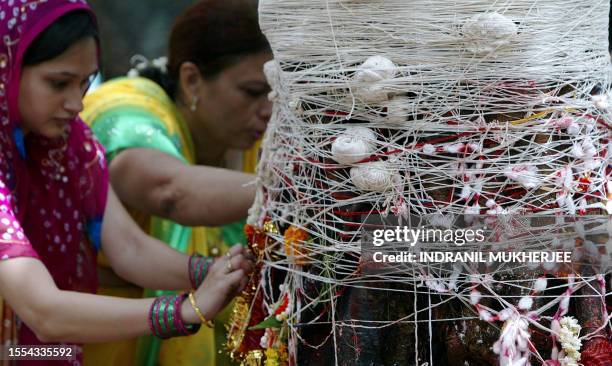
<point x="295" y="238"/>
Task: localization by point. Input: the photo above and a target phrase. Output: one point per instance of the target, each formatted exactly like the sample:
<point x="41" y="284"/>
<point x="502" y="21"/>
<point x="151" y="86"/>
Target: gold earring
<point x="194" y="103"/>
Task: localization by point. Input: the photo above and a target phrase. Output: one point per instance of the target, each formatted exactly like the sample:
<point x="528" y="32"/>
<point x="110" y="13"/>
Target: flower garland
<point x="254" y="339"/>
<point x="274" y="340"/>
<point x="570" y="342"/>
<point x="294" y="248"/>
<point x="242" y="343"/>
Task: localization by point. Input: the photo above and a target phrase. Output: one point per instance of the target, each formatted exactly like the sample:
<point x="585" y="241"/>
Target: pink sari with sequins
<point x="52" y="192"/>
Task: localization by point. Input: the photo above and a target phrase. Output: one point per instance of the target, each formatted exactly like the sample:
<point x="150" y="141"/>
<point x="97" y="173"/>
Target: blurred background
<point x="130" y="27"/>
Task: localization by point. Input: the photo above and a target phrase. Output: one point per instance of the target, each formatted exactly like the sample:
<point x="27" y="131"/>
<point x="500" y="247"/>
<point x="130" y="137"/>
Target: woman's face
<point x="51" y="92"/>
<point x="233" y="108"/>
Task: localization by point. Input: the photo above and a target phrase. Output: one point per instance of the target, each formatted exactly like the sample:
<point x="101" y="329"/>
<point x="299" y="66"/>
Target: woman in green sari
<point x="169" y="131"/>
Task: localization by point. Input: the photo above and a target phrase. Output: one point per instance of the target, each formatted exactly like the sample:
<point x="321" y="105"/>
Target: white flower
<point x="568" y="361"/>
<point x="570" y="342"/>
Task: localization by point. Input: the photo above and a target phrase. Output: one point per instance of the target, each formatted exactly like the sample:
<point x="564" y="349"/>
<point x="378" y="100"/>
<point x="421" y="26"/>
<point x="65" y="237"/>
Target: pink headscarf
<point x="52" y="192"/>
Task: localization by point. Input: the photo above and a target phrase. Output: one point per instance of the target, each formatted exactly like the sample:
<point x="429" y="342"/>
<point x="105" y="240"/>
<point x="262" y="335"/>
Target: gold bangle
<point x="198" y="312"/>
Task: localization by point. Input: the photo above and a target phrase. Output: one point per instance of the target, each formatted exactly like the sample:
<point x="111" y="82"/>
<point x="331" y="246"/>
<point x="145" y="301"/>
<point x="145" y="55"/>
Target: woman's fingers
<point x="236" y="249"/>
<point x="233" y="279"/>
<point x="250" y="256"/>
<point x="226" y="264"/>
<point x="219" y="265"/>
<point x="227" y="277"/>
<point x="248" y="266"/>
<point x="241" y="262"/>
<point x="222" y="285"/>
<point x="237" y="260"/>
<point x="243" y="283"/>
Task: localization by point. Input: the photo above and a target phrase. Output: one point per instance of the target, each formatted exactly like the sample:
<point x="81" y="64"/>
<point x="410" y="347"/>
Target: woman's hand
<point x="226" y="278"/>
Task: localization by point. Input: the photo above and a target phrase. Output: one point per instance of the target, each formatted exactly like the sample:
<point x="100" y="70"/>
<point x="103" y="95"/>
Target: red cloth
<point x="597" y="352"/>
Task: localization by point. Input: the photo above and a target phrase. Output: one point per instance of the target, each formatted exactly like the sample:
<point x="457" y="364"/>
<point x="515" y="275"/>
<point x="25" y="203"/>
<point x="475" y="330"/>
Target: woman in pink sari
<point x="56" y="208"/>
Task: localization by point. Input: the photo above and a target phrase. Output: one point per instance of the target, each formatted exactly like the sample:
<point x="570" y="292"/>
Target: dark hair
<point x="214" y="35"/>
<point x="59" y="36"/>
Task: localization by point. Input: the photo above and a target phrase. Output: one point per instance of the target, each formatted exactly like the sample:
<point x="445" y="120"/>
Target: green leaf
<point x="269" y="322"/>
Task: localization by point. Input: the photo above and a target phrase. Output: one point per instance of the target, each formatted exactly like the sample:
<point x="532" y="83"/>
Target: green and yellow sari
<point x="136" y="113"/>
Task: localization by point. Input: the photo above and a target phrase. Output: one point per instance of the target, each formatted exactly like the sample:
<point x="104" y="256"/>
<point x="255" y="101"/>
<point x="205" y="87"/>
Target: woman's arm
<point x="67" y="316"/>
<point x="137" y="257"/>
<point x="144" y="260"/>
<point x="192" y="195"/>
<point x="55" y="315"/>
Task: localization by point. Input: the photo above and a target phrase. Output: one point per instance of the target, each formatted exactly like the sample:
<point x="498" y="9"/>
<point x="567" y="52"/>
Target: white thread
<point x="502" y="120"/>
